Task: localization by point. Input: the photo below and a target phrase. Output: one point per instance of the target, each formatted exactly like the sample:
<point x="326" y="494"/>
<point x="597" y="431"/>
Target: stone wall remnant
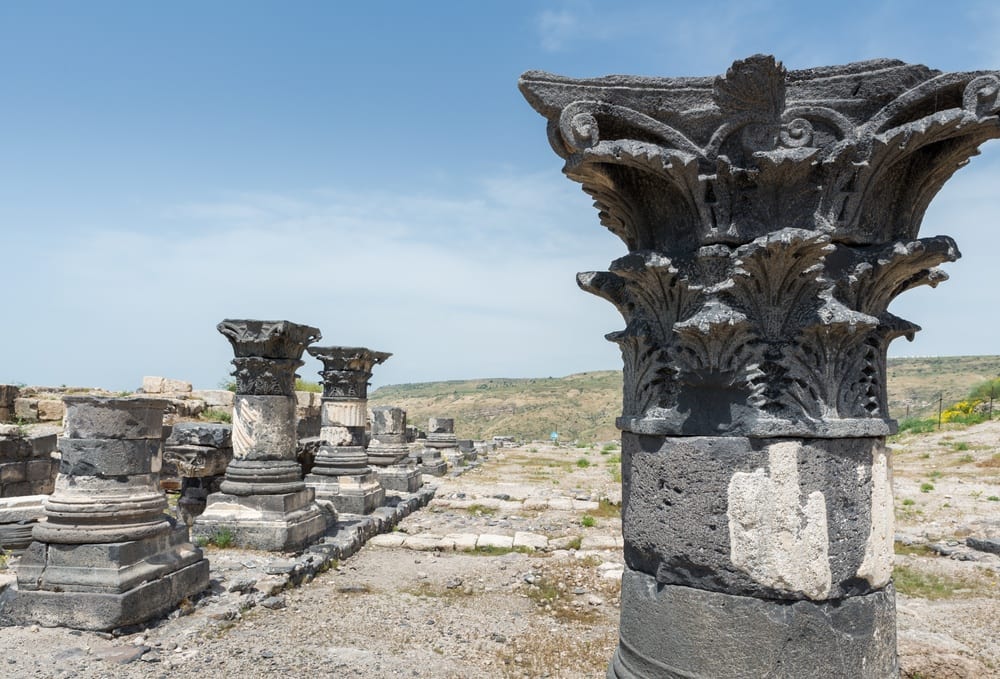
<point x="263" y="500"/>
<point x="340" y="471"/>
<point x="199" y="452"/>
<point x="770" y="217"/>
<point x="105" y="554"/>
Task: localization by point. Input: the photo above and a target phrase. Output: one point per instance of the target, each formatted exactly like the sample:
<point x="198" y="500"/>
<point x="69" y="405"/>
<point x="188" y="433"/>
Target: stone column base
<point x="437" y="467"/>
<point x="350" y="494"/>
<point x="104" y="586"/>
<point x="283" y="522"/>
<point x="400" y="479"/>
<point x="674" y="632"/>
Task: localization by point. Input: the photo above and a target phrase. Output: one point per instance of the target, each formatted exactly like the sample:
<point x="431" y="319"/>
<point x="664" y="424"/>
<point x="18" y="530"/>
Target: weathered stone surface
<point x="268" y="339"/>
<point x="26" y="409"/>
<point x="775" y="518"/>
<point x="95" y="417"/>
<point x="163" y="385"/>
<point x="50" y="410"/>
<point x="263" y="427"/>
<point x="273" y="522"/>
<point x="217" y="435"/>
<point x="346" y="370"/>
<point x="388" y="420"/>
<point x="990" y="545"/>
<point x="770" y="218"/>
<point x="761" y="210"/>
<point x="109" y="457"/>
<point x="197" y="461"/>
<point x="677" y="632"/>
<point x="399" y="478"/>
<point x="214" y="398"/>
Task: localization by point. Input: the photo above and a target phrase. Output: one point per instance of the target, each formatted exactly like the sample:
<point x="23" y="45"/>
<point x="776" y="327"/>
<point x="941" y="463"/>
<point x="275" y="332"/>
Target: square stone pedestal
<point x="434" y="466"/>
<point x="398" y="478"/>
<point x="351" y="494"/>
<point x="103" y="586"/>
<point x="283" y="522"/>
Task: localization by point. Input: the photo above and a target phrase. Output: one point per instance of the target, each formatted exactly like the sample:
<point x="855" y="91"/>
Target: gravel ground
<point x="394" y="611"/>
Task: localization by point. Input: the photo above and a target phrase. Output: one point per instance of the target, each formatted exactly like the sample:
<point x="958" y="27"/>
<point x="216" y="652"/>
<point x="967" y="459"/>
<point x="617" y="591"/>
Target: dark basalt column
<point x="770" y="218"/>
<point x="105" y="554"/>
<point x="264" y="502"/>
<point x="341" y="473"/>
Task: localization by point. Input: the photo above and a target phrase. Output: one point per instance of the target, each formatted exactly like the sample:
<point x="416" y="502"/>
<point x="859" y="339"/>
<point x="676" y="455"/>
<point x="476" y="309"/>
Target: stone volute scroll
<point x="770" y="217"/>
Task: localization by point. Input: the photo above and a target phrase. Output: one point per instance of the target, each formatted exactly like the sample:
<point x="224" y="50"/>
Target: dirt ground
<point x="396" y="611"/>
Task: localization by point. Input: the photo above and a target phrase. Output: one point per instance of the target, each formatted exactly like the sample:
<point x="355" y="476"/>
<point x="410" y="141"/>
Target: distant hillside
<point x="584" y="406"/>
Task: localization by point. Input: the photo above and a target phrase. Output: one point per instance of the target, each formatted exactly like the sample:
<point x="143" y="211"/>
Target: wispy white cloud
<point x="453" y="286"/>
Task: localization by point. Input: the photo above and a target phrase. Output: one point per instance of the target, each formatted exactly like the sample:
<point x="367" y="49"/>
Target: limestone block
<point x="26" y="409"/>
<point x="41" y="471"/>
<point x="214" y="398"/>
<point x="388" y="540"/>
<point x="152" y="385"/>
<point x="51" y="410"/>
<point x="423" y="543"/>
<point x="600" y="542"/>
<point x="496" y="541"/>
<point x="532" y="540"/>
<point x="461" y="542"/>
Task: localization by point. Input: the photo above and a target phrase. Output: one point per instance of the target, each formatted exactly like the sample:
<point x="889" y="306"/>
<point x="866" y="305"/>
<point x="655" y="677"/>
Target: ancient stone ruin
<point x="389" y="453"/>
<point x="105" y="554"/>
<point x="340" y="472"/>
<point x="199" y="452"/>
<point x="264" y="503"/>
<point x="442" y="440"/>
<point x="770" y="218"/>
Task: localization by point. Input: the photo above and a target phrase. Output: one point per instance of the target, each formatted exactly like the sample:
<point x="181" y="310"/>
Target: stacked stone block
<point x="340" y="472"/>
<point x="263" y="501"/>
<point x="106" y="555"/>
<point x="199" y="452"/>
<point x="389" y="453"/>
<point x="441" y="442"/>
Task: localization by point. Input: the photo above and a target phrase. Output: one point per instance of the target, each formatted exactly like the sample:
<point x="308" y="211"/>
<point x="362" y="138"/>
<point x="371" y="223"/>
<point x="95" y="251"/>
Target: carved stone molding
<point x="771" y="216"/>
<point x="346" y="370"/>
<point x="268" y="339"/>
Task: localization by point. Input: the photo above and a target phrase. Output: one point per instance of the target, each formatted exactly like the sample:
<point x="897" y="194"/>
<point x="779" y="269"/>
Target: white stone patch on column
<point x="876" y="567"/>
<point x="774" y="537"/>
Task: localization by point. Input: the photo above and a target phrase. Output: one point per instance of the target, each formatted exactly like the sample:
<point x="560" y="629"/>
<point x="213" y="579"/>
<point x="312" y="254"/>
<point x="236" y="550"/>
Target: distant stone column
<point x="106" y="555"/>
<point x="341" y="473"/>
<point x="442" y="440"/>
<point x="263" y="501"/>
<point x="770" y="219"/>
<point x="389" y="453"/>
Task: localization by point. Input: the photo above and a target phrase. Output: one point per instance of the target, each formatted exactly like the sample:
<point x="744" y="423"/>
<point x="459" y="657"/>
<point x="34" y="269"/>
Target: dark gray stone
<point x="95" y="417"/>
<point x="108" y="457"/>
<point x="676" y="517"/>
<point x="216" y="435"/>
<point x="990" y="545"/>
<point x="674" y="632"/>
<point x="770" y="218"/>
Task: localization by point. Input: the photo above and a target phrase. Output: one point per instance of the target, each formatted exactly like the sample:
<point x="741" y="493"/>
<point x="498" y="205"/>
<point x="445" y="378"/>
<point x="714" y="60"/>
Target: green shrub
<point x="588" y="521"/>
<point x="993" y="498"/>
<point x="926" y="487"/>
<point x="583" y="463"/>
<point x="908" y="501"/>
<point x="961" y="445"/>
<point x="215" y="415"/>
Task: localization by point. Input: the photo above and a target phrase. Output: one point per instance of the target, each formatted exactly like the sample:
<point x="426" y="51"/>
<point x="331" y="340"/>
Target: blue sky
<point x="371" y="169"/>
